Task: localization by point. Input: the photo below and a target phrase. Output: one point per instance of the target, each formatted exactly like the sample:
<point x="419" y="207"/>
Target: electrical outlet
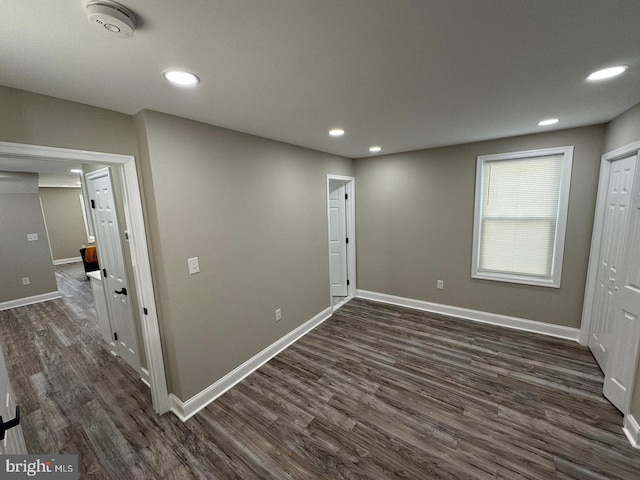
<point x="32" y="237"/>
<point x="278" y="314"/>
<point x="194" y="265"/>
<point x="26" y="281"/>
<point x="440" y="284"/>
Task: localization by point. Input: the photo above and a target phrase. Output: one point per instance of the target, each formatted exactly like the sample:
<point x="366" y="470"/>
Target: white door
<point x="609" y="261"/>
<point x="338" y="238"/>
<point x="111" y="259"/>
<point x="625" y="316"/>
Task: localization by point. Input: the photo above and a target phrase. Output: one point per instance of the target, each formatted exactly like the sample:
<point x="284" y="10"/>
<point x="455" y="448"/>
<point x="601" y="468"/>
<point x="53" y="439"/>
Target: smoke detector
<point x="111" y="17"/>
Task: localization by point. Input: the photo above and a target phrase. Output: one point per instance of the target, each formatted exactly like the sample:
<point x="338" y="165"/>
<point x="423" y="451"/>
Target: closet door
<point x="614" y="230"/>
<point x="625" y="314"/>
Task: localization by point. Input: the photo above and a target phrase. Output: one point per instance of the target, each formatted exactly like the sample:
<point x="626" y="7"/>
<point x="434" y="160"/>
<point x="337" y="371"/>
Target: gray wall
<point x="63" y="216"/>
<point x="41" y="120"/>
<point x="623" y="130"/>
<point x="254" y="212"/>
<point x="21" y="214"/>
<point x="415" y="225"/>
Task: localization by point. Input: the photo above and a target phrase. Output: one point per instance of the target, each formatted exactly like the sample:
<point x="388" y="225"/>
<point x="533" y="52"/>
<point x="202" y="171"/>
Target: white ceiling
<point x="403" y="74"/>
<point x="51" y="174"/>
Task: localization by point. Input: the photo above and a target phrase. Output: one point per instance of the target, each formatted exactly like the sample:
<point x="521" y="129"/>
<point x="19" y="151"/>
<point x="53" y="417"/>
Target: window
<point x="521" y="215"/>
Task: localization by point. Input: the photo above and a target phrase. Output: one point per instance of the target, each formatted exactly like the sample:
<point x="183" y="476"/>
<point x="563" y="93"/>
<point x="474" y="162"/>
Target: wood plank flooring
<point x="376" y="392"/>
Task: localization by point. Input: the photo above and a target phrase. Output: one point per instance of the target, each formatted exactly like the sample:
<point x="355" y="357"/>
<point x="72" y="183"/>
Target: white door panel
<point x="610" y="257"/>
<point x="111" y="258"/>
<point x="622" y="365"/>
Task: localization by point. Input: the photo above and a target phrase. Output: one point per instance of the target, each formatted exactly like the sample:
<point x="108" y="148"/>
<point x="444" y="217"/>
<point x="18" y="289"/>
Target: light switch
<point x="32" y="237"/>
<point x="194" y="265"/>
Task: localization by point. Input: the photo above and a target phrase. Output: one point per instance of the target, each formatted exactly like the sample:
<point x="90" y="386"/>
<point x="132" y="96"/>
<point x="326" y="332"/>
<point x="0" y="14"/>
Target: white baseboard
<point x="185" y="410"/>
<point x="516" y="323"/>
<point x="63" y="261"/>
<point x="21" y="302"/>
<point x="144" y="376"/>
<point x="632" y="430"/>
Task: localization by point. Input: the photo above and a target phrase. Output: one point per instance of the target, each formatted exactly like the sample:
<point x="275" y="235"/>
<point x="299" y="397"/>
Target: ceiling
<point x="51" y="174"/>
<point x="402" y="74"/>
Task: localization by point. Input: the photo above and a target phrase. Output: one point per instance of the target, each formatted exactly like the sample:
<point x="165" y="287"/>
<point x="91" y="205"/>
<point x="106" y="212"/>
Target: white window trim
<point x="565" y="184"/>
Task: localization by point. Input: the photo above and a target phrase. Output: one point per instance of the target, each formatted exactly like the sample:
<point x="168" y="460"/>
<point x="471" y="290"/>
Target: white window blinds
<point x="520" y="212"/>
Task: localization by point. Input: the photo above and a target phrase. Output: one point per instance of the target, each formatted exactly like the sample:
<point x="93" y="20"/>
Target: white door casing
<point x="625" y="313"/>
<point x="111" y="258"/>
<point x="132" y="203"/>
<point x="338" y="238"/>
<point x="614" y="227"/>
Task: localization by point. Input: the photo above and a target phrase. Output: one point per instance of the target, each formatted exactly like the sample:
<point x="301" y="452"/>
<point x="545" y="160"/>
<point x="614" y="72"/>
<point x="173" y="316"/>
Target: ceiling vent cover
<point x="111" y="17"/>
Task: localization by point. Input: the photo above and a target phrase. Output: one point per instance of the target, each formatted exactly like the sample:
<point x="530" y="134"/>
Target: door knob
<point x="121" y="292"/>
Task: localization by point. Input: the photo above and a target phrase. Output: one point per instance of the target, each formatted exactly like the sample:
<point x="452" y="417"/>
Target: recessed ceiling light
<point x="375" y="149"/>
<point x="336" y="132"/>
<point x="75" y="170"/>
<point x="606" y="73"/>
<point x="548" y="121"/>
<point x="181" y="78"/>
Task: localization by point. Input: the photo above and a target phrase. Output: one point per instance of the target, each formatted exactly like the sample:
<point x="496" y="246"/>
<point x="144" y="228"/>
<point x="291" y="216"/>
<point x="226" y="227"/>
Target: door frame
<point x="350" y="215"/>
<point x="134" y="220"/>
<point x="596" y="237"/>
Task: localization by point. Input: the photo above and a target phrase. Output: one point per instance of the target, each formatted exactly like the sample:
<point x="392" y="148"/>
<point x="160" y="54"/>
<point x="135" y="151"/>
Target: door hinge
<point x="347" y="239"/>
<point x="115" y="336"/>
<point x="346" y="196"/>
<point x="104" y="272"/>
<point x="145" y="311"/>
<point x="93" y="203"/>
<point x="347" y="282"/>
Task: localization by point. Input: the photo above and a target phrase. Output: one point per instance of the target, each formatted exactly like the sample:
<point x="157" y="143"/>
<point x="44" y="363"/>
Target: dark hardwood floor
<point x="375" y="392"/>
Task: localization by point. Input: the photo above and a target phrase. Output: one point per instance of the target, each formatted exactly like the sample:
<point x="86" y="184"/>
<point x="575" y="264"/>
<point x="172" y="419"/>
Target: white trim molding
<point x="144" y="376"/>
<point x="632" y="430"/>
<point x="64" y="261"/>
<point x="185" y="410"/>
<point x="559" y="331"/>
<point x="23" y="302"/>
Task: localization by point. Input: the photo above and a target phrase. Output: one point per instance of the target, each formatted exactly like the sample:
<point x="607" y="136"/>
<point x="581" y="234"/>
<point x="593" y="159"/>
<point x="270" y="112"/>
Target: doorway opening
<point x="342" y="239"/>
<point x="125" y="167"/>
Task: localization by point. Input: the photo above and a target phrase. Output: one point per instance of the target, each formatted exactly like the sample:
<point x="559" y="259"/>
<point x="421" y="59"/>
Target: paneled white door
<point x="611" y="250"/>
<point x="338" y="238"/>
<point x="625" y="316"/>
<point x="111" y="258"/>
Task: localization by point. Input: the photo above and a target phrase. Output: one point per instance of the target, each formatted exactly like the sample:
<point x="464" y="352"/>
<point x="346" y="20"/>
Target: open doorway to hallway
<point x="342" y="244"/>
<point x="18" y="157"/>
